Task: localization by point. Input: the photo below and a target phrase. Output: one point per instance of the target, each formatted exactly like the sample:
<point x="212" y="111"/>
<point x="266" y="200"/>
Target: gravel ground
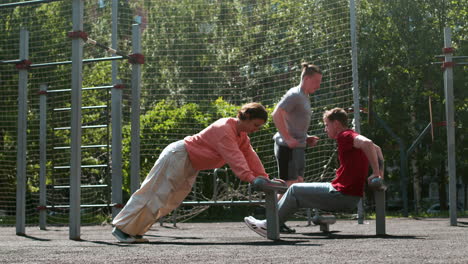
<point x="427" y="240"/>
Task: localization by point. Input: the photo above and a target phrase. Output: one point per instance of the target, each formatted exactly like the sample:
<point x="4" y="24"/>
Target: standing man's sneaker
<point x="122" y="237"/>
<point x="286" y="229"/>
<point x="258" y="226"/>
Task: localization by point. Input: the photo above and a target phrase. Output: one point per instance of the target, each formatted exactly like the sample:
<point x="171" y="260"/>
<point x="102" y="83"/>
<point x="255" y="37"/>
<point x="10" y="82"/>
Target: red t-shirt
<point x="354" y="166"/>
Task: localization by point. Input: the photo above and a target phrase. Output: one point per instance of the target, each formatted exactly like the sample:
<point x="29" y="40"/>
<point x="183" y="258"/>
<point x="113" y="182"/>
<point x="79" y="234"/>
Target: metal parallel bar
<point x="10" y="61"/>
<point x="58" y="63"/>
<point x="271" y="206"/>
<point x="456" y="63"/>
<point x="86" y="88"/>
<point x="223" y="203"/>
<point x="453" y="57"/>
<point x="82" y="186"/>
<point x="271" y="190"/>
<point x="85" y="146"/>
<point x="33" y="2"/>
<point x="83" y="166"/>
<point x="425" y="131"/>
<point x="84" y="107"/>
<point x="379" y="197"/>
<point x="83" y="127"/>
<point x="81" y="206"/>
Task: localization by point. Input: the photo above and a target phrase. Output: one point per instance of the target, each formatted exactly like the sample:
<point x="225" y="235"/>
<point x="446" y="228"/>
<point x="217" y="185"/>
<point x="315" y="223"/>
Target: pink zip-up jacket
<point x="219" y="144"/>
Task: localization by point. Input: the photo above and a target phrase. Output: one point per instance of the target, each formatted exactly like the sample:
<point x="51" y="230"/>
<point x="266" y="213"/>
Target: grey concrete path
<point x="407" y="241"/>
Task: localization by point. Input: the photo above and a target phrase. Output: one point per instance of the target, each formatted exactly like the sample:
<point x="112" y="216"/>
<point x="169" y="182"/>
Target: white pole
<point x="76" y="93"/>
<point x="135" y="115"/>
<point x="21" y="138"/>
<point x="449" y="112"/>
<point x="42" y="155"/>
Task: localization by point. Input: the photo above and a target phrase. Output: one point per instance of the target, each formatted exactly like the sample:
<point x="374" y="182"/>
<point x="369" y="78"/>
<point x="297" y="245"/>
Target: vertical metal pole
<point x="379" y="197"/>
<point x="309" y="217"/>
<point x="449" y="112"/>
<point x="271" y="208"/>
<point x="115" y="22"/>
<point x="116" y="108"/>
<point x="135" y="115"/>
<point x="215" y="185"/>
<point x="42" y="155"/>
<point x="76" y="93"/>
<point x="354" y="62"/>
<point x="21" y="136"/>
<point x="404" y="178"/>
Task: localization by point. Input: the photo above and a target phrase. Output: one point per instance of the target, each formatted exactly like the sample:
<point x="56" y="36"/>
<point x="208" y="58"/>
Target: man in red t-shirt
<point x="355" y="153"/>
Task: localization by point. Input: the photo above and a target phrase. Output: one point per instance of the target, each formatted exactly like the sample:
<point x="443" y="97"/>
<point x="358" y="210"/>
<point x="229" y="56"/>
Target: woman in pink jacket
<point x="172" y="176"/>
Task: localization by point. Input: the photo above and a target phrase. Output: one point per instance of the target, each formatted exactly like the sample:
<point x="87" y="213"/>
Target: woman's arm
<point x="228" y="148"/>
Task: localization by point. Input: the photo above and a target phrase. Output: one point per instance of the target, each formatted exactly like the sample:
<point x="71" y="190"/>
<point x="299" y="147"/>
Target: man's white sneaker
<point x="258" y="226"/>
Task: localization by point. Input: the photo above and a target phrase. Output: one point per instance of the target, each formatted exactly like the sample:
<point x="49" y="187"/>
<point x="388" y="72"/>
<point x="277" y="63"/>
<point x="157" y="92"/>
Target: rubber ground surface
<point x="427" y="240"/>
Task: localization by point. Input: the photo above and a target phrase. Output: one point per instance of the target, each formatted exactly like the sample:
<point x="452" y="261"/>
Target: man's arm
<point x="312" y="141"/>
<point x="373" y="154"/>
<point x="279" y="118"/>
<point x="380" y="160"/>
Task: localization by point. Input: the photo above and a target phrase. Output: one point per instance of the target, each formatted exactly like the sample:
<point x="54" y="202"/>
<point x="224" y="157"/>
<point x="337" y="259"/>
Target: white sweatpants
<point x="166" y="186"/>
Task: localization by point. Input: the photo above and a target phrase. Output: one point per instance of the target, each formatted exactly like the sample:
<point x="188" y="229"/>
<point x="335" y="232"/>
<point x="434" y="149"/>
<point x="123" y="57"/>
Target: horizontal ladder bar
<point x="456" y="63"/>
<point x="85" y="88"/>
<point x="453" y="57"/>
<point x="83" y="147"/>
<point x="82" y="186"/>
<point x="83" y="166"/>
<point x="82" y="206"/>
<point x="195" y="203"/>
<point x="84" y="107"/>
<point x="58" y="63"/>
<point x="27" y="3"/>
<point x="10" y="61"/>
<point x="184" y="203"/>
<point x="83" y="127"/>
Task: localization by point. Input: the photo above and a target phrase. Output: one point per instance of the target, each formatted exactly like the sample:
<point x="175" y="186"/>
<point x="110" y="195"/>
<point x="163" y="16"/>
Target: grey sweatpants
<point x="319" y="195"/>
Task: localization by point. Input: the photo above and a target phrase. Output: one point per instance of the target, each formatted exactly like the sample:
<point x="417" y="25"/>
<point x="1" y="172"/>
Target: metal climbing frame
<point x="24" y="65"/>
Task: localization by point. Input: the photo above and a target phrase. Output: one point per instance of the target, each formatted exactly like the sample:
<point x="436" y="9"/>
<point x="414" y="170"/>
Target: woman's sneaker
<point x="122" y="237"/>
<point x="140" y="239"/>
<point x="258" y="226"/>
